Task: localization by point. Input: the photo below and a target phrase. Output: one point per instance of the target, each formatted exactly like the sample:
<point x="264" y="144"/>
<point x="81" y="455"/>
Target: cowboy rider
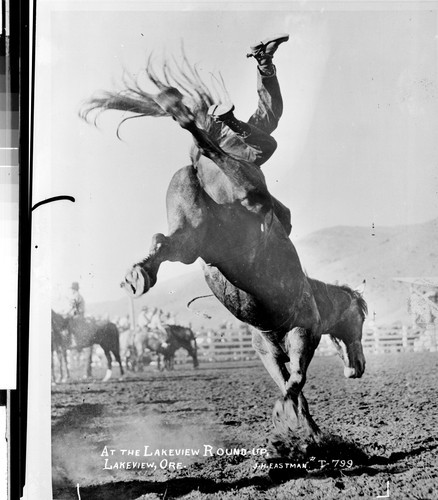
<point x="151" y="319"/>
<point x="77" y="303"/>
<point x="249" y="141"/>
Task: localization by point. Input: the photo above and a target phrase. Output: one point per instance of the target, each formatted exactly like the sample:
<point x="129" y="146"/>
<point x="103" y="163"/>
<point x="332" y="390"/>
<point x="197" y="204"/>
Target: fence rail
<point x="232" y="346"/>
<point x="400" y="339"/>
<point x="237" y="346"/>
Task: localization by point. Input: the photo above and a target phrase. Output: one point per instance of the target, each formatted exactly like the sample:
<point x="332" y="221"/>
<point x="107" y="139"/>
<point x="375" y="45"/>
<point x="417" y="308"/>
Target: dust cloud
<point x="124" y="447"/>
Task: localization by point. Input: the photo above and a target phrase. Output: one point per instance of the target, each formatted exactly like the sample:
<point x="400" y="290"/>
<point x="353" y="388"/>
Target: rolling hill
<point x="342" y="254"/>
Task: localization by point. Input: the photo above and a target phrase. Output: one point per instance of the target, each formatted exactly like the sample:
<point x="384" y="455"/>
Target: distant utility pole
<point x="131" y="312"/>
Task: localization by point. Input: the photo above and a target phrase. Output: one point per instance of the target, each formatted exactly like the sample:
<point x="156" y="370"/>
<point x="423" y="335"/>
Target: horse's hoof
<point x="107" y="376"/>
<point x="284" y="417"/>
<point x="317" y="437"/>
<point x="349" y="372"/>
<point x="136" y="282"/>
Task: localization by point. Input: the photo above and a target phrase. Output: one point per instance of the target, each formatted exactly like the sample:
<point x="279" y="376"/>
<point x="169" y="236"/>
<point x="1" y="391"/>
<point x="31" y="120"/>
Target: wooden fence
<point x="235" y="344"/>
<point x="400" y="339"/>
<point x="232" y="345"/>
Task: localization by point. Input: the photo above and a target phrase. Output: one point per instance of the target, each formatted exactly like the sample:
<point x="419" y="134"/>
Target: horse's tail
<point x="134" y="99"/>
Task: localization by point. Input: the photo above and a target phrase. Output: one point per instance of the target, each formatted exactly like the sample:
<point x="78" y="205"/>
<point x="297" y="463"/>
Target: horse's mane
<point x="134" y="98"/>
<point x="320" y="288"/>
<point x="357" y="296"/>
<point x="323" y="289"/>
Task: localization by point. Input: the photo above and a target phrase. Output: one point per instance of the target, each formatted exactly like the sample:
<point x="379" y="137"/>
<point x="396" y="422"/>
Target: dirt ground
<point x="203" y="434"/>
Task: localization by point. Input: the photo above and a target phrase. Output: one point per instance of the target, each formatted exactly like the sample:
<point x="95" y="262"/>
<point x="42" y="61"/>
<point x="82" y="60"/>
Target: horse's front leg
<point x="300" y="345"/>
<point x="273" y="358"/>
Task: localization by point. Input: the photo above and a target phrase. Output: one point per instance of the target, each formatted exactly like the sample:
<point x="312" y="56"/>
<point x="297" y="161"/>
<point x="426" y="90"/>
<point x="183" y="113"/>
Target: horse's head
<point x="348" y="334"/>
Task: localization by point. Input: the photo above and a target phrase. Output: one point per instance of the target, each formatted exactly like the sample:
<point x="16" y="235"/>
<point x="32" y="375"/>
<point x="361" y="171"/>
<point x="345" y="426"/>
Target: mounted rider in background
<point x="77" y="302"/>
<point x="150" y="319"/>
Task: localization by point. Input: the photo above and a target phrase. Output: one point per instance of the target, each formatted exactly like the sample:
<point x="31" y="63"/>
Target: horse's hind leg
<point x="169" y="362"/>
<point x="192" y="351"/>
<point x="194" y="355"/>
<point x="119" y="361"/>
<point x="186" y="215"/>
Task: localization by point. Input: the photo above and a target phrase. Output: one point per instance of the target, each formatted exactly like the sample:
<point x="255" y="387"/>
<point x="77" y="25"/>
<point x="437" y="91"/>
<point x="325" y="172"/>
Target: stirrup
<point x="221" y="112"/>
<point x="264" y="48"/>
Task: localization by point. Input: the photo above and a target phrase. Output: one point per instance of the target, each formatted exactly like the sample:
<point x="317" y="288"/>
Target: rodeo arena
<point x="147" y="406"/>
<point x="155" y="339"/>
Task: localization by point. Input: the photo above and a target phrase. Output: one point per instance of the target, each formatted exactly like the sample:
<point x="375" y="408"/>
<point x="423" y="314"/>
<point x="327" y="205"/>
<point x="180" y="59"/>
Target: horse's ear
<point x="361" y="288"/>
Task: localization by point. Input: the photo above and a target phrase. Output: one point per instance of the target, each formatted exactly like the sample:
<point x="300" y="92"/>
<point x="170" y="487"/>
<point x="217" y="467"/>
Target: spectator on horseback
<point x="123" y="323"/>
<point x="156" y="324"/>
<point x="151" y="319"/>
<point x="155" y="319"/>
<point x="77" y="302"/>
<point x="143" y="318"/>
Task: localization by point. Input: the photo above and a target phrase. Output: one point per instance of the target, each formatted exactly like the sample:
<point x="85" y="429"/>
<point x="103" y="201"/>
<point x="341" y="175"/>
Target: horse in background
<point x="343" y="312"/>
<point x="61" y="342"/>
<point x="222" y="213"/>
<point x="165" y="342"/>
<point x="179" y="337"/>
<point x="86" y="332"/>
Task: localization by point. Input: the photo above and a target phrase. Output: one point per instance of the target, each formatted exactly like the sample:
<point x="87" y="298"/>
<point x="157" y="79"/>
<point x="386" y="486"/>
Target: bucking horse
<point x="222" y="213"/>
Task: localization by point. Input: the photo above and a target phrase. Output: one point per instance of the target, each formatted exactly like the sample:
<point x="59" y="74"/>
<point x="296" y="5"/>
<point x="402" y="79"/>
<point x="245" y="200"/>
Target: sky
<point x="356" y="143"/>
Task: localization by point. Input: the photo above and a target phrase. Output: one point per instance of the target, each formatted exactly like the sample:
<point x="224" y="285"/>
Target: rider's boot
<point x="223" y="113"/>
<point x="264" y="51"/>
